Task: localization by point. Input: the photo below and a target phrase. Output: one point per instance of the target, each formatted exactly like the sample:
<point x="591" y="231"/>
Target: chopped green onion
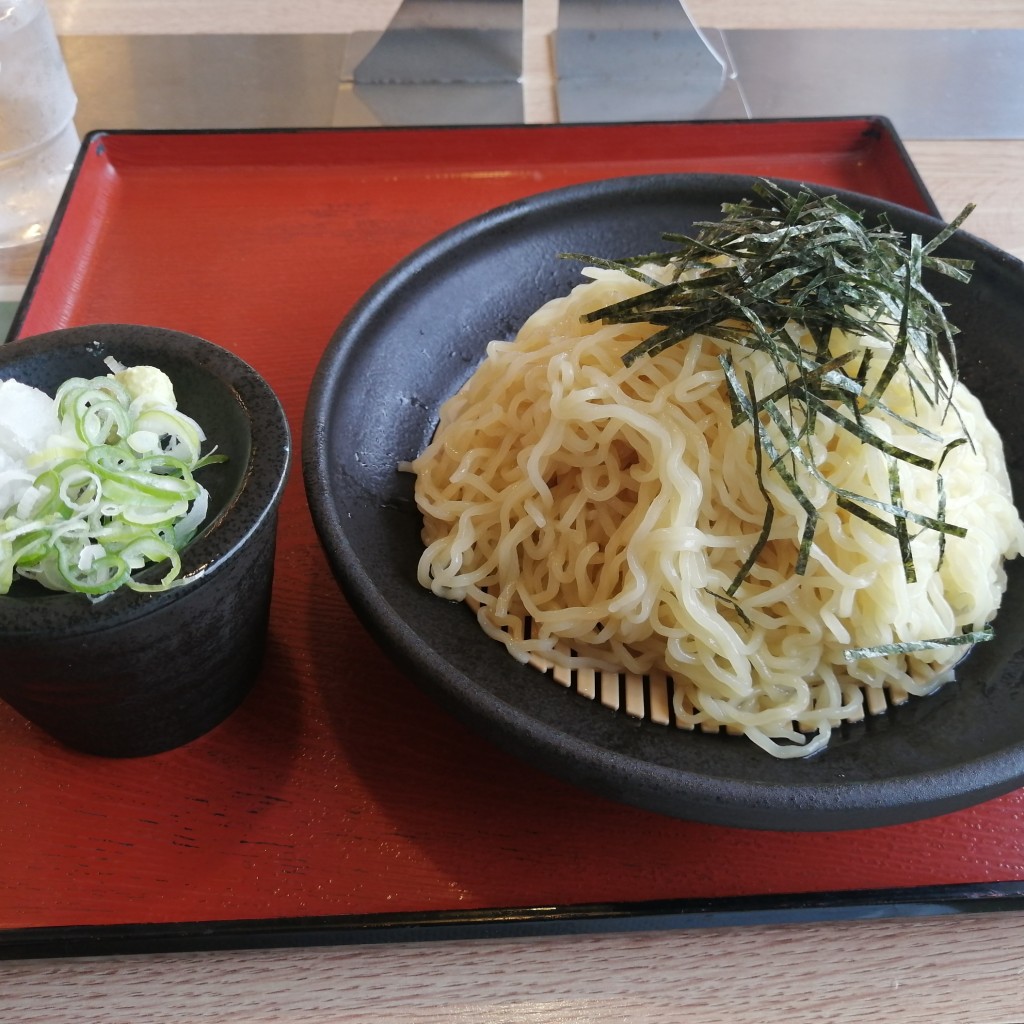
<point x="111" y="491"/>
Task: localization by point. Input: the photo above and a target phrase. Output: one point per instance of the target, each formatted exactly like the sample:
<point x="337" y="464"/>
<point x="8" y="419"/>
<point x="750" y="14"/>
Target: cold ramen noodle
<point x="746" y="464"/>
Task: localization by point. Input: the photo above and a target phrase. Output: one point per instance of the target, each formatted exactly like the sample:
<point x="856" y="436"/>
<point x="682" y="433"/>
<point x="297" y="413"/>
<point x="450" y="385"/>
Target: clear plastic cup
<point x="38" y="141"/>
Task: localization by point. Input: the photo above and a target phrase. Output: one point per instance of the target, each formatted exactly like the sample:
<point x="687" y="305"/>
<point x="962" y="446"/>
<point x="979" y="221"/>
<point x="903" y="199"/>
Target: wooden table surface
<point x="968" y="968"/>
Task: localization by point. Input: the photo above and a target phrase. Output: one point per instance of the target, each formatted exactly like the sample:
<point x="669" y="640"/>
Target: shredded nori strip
<point x="975" y="636"/>
<point x="809" y="261"/>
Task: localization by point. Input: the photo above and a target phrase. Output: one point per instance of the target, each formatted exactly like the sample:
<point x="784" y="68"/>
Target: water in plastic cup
<point x="38" y="141"/>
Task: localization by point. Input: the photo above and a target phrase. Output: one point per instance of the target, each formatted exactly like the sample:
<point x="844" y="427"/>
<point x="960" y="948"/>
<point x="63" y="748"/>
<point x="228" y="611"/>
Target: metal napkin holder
<point x="647" y="60"/>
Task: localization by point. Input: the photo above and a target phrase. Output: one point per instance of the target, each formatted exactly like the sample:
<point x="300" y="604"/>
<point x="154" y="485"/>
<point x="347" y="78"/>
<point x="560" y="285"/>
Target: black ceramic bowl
<point x="414" y="339"/>
<point x="136" y="673"/>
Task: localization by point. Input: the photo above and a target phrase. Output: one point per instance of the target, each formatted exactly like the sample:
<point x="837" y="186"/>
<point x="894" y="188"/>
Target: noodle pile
<point x="613" y="506"/>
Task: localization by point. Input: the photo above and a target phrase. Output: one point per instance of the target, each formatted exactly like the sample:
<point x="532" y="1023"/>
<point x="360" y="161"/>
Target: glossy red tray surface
<point x="338" y="793"/>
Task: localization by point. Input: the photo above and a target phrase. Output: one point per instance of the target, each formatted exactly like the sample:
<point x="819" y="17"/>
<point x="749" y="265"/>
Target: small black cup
<point x="138" y="673"/>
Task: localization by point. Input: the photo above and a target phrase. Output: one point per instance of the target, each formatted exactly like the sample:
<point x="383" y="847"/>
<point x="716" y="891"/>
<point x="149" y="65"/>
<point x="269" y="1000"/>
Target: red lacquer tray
<point x="339" y="803"/>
